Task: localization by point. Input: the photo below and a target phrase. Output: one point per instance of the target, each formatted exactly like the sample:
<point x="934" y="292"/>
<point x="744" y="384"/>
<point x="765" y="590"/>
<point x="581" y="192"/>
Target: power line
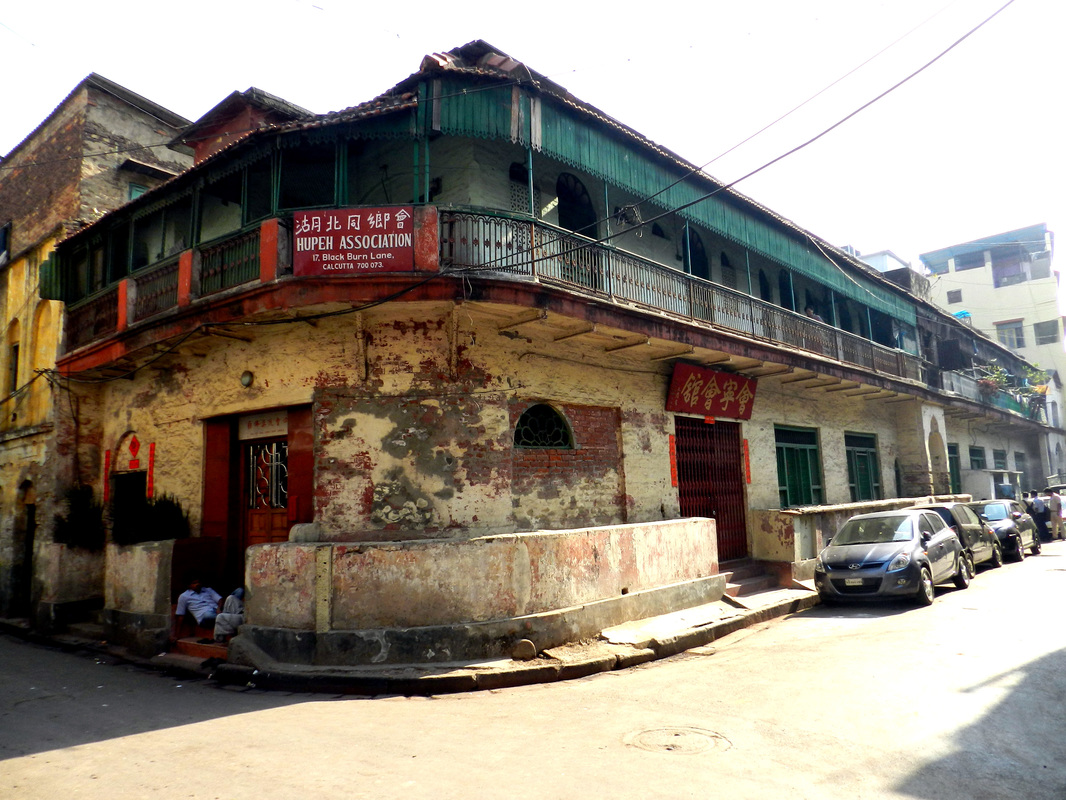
<point x="584" y="245"/>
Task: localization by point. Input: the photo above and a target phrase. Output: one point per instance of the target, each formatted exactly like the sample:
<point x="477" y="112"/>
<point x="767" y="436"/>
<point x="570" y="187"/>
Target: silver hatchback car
<point x="891" y="554"/>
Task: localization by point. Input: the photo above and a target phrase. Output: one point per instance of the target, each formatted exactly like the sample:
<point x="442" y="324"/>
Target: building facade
<point x="472" y="362"/>
<point x="100" y="147"/>
<point x="1005" y="287"/>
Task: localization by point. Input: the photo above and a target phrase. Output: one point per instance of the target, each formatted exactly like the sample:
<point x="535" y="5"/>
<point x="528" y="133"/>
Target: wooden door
<point x="266" y="491"/>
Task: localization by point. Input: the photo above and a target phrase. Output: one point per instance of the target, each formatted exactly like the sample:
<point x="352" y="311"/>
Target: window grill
<point x="542" y="426"/>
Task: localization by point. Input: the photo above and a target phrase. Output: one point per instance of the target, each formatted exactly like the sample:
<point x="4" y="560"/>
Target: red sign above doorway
<point x="353" y="241"/>
<point x="698" y="390"/>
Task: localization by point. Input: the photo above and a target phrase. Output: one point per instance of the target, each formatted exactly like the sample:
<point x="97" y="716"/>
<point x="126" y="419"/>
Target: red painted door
<point x="710" y="480"/>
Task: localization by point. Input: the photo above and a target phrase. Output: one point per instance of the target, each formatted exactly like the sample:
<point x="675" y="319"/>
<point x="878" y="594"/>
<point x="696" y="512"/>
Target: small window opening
<point x="542" y="426"/>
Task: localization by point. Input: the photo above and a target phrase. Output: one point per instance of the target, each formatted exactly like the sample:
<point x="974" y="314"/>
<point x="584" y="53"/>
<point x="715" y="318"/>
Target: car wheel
<point x="826" y="599"/>
<point x="997" y="557"/>
<point x="1036" y="546"/>
<point x="964" y="572"/>
<point x="925" y="588"/>
<point x="1019" y="551"/>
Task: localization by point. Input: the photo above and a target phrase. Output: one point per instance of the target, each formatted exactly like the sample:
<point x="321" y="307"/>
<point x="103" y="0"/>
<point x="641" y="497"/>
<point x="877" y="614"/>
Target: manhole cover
<point x="685" y="741"/>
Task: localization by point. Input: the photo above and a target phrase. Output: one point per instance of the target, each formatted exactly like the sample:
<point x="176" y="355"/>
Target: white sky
<point x="971" y="147"/>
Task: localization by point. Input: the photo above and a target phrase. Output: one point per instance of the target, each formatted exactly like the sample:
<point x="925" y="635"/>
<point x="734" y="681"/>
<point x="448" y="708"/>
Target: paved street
<point x="960" y="700"/>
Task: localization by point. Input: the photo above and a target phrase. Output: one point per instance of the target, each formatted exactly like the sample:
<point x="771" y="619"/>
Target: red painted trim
<point x="427" y="239"/>
<point x="185" y="279"/>
<point x="151" y="470"/>
<point x="673" y="461"/>
<point x="301" y="464"/>
<point x="268" y="249"/>
<point x="747" y="461"/>
<point x="123" y="304"/>
<point x="216" y="518"/>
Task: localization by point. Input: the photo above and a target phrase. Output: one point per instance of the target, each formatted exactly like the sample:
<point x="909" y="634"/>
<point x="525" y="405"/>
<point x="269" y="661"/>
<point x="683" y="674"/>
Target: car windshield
<point x="993" y="511"/>
<point x="874" y="530"/>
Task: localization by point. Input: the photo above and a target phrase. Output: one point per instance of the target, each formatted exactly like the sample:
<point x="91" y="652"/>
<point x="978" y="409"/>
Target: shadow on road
<point x="52" y="699"/>
<point x="1016" y="750"/>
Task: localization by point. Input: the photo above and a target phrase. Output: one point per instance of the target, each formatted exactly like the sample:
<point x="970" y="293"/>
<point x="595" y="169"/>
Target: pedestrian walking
<point x="1054" y="507"/>
<point x="1039" y="512"/>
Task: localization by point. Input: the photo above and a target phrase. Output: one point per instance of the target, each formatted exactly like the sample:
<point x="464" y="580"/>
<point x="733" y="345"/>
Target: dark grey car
<point x="891" y="554"/>
<point x="1014" y="528"/>
<point x="977" y="536"/>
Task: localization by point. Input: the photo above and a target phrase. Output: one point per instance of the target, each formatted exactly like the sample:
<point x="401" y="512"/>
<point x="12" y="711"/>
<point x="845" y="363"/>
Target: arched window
<point x="729" y="272"/>
<point x="695" y="256"/>
<point x="765" y="292"/>
<point x="576" y="212"/>
<point x="12" y="379"/>
<point x="542" y="426"/>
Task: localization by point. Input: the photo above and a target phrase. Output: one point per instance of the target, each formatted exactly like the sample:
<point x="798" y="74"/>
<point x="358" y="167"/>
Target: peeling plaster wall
<point x="423" y="443"/>
<point x="137" y="580"/>
<point x="449" y="581"/>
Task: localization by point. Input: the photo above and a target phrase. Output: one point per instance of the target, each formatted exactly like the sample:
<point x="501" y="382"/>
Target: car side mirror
<point x="926" y="537"/>
<point x="1016" y="514"/>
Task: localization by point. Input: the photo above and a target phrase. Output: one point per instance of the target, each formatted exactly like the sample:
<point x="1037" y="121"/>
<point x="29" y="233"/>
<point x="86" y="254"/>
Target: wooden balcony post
<point x="268" y="250"/>
<point x="126" y="296"/>
<point x="185" y="279"/>
<point x="426" y="239"/>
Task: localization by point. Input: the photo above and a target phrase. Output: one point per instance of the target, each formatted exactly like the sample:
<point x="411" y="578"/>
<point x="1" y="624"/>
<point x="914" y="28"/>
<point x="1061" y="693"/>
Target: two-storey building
<point x="474" y="362"/>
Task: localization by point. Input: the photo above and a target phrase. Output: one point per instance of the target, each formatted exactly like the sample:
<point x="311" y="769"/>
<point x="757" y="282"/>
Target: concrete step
<point x="746" y="576"/>
<point x="742" y="568"/>
<point x="750" y="585"/>
<point x="92" y="631"/>
<point x="202" y="650"/>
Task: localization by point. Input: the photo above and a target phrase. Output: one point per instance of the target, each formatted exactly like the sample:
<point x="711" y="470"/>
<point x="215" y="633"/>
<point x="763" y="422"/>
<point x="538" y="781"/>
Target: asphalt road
<point x="964" y="699"/>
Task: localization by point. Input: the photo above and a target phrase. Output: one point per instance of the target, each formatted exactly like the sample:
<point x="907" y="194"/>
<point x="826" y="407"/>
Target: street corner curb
<point x="632" y="656"/>
<point x="589" y="666"/>
<point x="504" y="679"/>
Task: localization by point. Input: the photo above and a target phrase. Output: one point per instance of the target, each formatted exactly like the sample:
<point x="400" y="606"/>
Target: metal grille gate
<point x="709" y="480"/>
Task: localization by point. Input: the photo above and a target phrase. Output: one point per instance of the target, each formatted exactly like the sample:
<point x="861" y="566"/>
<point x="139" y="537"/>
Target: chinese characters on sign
<point x="353" y="241"/>
<point x="697" y="390"/>
<point x="272" y="425"/>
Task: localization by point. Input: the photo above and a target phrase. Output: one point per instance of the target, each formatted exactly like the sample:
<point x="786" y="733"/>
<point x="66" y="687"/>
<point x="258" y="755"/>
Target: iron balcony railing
<point x="552" y="256"/>
<point x="229" y="263"/>
<point x="93" y="318"/>
<point x="156" y="289"/>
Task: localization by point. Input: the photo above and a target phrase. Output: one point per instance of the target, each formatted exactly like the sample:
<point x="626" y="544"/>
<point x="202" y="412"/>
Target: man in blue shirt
<point x="201" y="601"/>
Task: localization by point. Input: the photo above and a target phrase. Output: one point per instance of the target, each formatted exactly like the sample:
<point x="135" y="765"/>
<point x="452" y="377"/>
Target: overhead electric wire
<point x="813" y="97"/>
<point x="491" y="266"/>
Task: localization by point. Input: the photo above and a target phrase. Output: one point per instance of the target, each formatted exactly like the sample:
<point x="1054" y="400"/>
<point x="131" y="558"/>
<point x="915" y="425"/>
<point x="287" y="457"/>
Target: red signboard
<point x="673" y="461"/>
<point x="353" y="241"/>
<point x="698" y="390"/>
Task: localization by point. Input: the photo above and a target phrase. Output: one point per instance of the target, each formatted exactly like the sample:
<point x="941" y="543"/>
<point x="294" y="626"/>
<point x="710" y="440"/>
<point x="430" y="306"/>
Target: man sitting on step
<point x="202" y="602"/>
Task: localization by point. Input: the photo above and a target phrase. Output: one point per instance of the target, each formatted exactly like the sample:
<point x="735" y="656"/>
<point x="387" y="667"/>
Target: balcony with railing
<point x="229" y="262"/>
<point x="497" y="245"/>
<point x="552" y="256"/>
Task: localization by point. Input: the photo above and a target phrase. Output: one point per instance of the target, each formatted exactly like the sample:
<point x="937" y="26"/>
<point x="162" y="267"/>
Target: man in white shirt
<point x="1054" y="507"/>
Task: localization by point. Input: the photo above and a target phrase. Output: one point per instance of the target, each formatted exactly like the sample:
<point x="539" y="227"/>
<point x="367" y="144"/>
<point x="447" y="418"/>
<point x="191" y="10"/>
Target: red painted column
<point x="123" y="304"/>
<point x="427" y="239"/>
<point x="185" y="279"/>
<point x="268" y="250"/>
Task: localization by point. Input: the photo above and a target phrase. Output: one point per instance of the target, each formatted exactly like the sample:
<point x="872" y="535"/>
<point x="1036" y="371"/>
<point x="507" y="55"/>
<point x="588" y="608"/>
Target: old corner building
<point x="97" y="149"/>
<point x="473" y="362"/>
